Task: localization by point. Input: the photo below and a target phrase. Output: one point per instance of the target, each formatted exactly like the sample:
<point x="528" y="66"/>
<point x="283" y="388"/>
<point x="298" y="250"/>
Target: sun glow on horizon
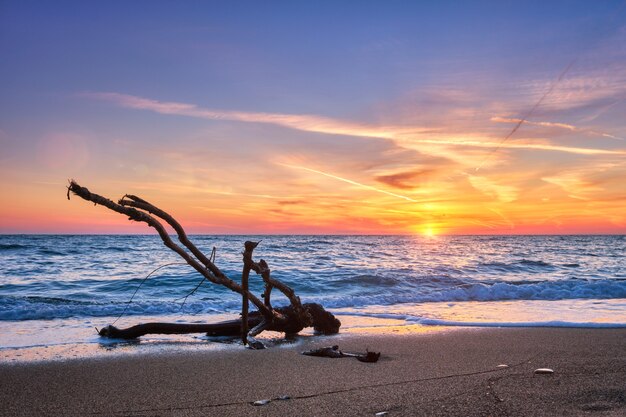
<point x="429" y="231"/>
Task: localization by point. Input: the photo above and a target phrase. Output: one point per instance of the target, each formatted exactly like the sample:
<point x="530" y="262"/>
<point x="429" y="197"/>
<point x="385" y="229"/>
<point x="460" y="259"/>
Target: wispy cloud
<point x="588" y="182"/>
<point x="348" y="181"/>
<point x="504" y="218"/>
<point x="404" y="180"/>
<point x="589" y="87"/>
<point x="566" y="126"/>
<point x="305" y="122"/>
<point x="504" y="193"/>
<point x="518" y="145"/>
<point x="402" y="135"/>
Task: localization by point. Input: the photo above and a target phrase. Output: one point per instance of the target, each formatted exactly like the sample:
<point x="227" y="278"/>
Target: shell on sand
<point x="261" y="402"/>
<point x="502" y="366"/>
<point x="544" y="371"/>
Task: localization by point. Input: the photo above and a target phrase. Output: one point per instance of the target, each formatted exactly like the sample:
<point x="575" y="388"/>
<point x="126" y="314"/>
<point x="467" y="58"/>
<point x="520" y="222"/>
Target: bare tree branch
<point x="287" y="319"/>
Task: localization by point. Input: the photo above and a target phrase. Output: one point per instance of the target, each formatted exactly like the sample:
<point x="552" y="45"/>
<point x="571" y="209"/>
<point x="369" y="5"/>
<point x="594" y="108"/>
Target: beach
<point x="438" y="372"/>
<point x="444" y="319"/>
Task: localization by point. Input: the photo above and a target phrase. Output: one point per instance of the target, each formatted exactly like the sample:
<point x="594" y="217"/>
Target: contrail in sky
<point x="358" y="184"/>
<point x="527" y="115"/>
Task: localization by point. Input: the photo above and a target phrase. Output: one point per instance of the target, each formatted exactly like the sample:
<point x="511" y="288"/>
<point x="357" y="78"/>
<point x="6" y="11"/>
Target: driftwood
<point x="334" y="352"/>
<point x="290" y="320"/>
<point x="323" y="322"/>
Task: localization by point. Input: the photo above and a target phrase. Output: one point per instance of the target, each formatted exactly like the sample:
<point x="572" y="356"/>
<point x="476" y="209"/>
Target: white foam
<point x="499" y="291"/>
<point x="435" y="322"/>
<point x="521" y="313"/>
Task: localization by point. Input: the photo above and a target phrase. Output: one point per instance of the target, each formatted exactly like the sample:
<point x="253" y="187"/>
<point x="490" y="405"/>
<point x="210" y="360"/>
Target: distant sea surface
<point x="51" y="284"/>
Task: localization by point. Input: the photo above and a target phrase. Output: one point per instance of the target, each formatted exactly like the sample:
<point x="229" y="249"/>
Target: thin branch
<point x="212" y="258"/>
<point x="134" y="201"/>
<point x="139" y="286"/>
<point x="141" y="216"/>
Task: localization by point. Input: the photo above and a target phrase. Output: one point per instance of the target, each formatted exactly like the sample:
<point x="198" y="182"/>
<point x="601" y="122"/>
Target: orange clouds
<point x="318" y="174"/>
<point x="407" y="180"/>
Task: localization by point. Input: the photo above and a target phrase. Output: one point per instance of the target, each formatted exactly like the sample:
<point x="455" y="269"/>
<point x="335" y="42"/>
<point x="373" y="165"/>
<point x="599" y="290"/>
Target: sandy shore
<point x="445" y="373"/>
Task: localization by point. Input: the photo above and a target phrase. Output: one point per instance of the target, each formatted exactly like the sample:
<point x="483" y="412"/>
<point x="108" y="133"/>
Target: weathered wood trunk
<point x="291" y="319"/>
<point x="323" y="323"/>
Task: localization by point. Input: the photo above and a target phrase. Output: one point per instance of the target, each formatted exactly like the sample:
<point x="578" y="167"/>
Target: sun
<point x="429" y="231"/>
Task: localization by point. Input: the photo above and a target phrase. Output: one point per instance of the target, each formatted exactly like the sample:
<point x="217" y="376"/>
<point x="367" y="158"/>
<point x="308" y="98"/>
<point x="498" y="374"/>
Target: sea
<point x="57" y="290"/>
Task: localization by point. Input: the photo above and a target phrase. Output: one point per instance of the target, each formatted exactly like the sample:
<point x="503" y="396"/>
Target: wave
<point x="524" y="265"/>
<point x="12" y="246"/>
<point x="43" y="308"/>
<point x="122" y="249"/>
<point x="51" y="252"/>
<point x="499" y="291"/>
<point x="534" y="263"/>
<point x="367" y="280"/>
<point x="319" y="242"/>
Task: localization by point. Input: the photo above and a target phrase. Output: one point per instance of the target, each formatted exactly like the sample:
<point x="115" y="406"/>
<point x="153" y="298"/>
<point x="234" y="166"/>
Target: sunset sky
<point x="386" y="117"/>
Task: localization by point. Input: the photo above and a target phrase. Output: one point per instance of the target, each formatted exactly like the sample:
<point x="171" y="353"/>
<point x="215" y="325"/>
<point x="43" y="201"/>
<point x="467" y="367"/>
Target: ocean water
<point x="55" y="288"/>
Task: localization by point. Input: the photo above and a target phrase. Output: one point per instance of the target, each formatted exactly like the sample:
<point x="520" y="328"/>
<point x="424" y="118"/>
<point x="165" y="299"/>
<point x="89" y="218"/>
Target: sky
<point x="386" y="117"/>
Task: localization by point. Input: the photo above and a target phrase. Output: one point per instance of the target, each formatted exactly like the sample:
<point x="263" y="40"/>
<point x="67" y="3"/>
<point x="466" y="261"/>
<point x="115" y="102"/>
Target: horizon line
<point x="317" y="234"/>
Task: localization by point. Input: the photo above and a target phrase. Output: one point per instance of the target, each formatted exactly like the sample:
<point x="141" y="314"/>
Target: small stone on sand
<point x="502" y="366"/>
<point x="382" y="413"/>
<point x="544" y="371"/>
<point x="261" y="402"/>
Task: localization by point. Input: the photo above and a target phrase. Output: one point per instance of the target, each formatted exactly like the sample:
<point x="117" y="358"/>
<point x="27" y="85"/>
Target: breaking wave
<point x="32" y="308"/>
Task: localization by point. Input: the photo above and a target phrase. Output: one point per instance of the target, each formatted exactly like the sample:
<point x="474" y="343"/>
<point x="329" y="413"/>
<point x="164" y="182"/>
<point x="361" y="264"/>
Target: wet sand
<point x="442" y="373"/>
